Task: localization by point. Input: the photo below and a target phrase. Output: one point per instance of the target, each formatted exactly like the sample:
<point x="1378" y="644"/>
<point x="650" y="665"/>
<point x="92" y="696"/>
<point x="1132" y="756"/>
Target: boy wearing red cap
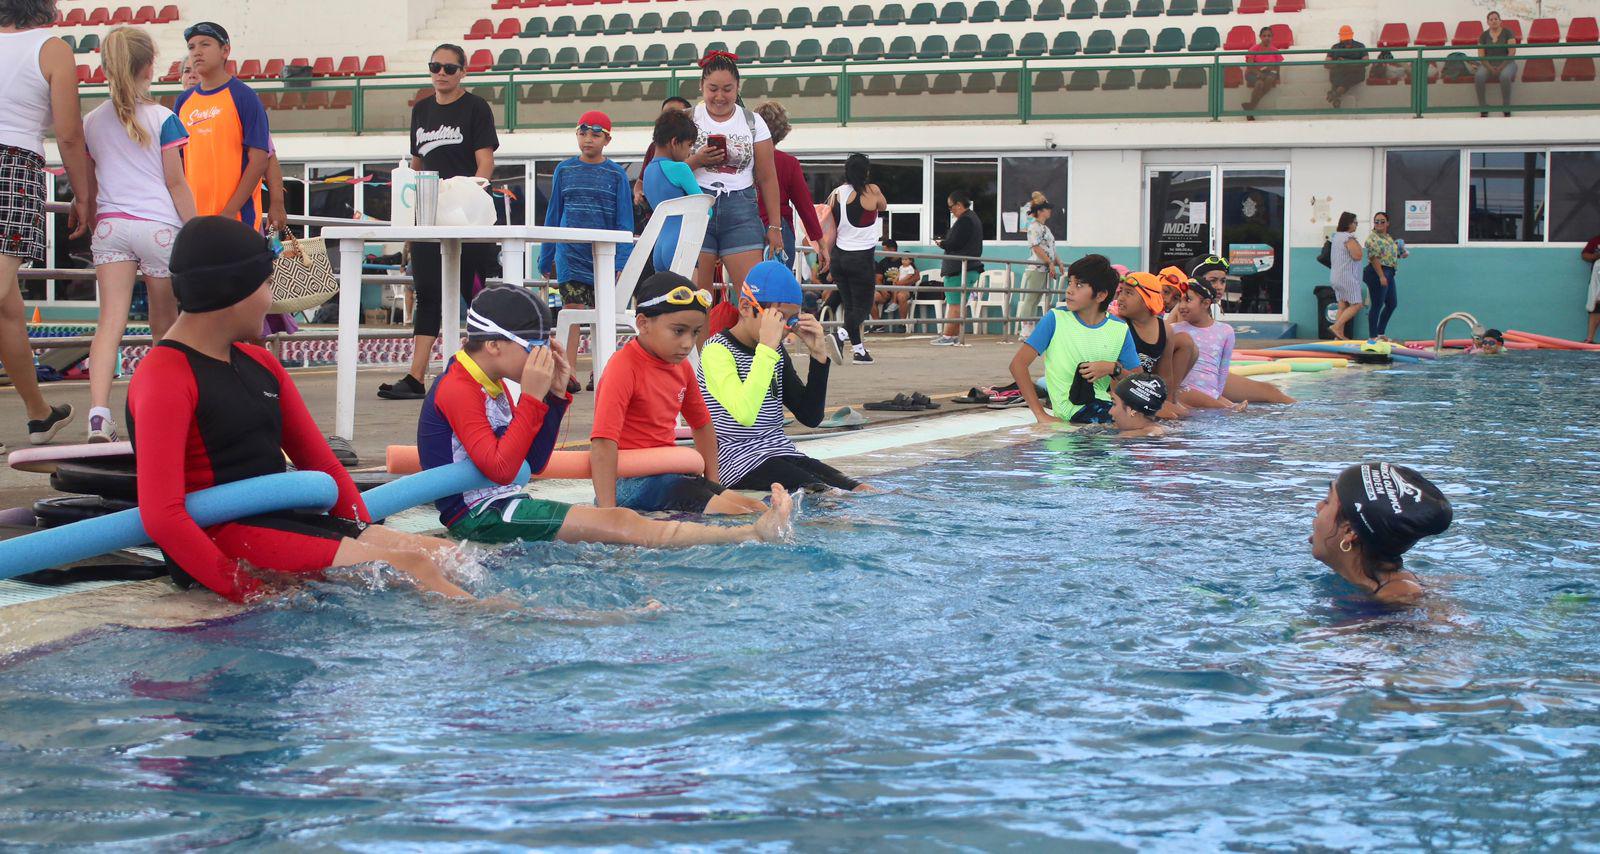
<point x="587" y="191"/>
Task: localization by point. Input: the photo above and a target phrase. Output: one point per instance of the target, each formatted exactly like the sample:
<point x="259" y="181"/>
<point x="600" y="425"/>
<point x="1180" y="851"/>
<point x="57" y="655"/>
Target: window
<point x="376" y="195"/>
<point x="509" y="188"/>
<point x="332" y="194"/>
<point x="1505" y="196"/>
<point x="976" y="180"/>
<point x="1430" y="182"/>
<point x="1574" y="196"/>
<point x="1020" y="177"/>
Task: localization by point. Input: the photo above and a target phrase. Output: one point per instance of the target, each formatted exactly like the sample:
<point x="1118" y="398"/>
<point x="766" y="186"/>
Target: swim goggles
<point x="748" y="295"/>
<point x="478" y="323"/>
<point x="680" y="295"/>
<point x="1177" y="281"/>
<point x="1133" y="282"/>
<point x="593" y="129"/>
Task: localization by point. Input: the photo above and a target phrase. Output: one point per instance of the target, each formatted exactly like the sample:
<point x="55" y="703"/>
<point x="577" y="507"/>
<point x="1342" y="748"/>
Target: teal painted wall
<point x="1532" y="288"/>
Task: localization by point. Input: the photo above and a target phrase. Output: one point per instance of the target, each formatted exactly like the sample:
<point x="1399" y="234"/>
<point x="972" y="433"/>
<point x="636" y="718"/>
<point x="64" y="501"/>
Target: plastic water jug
<point x="403" y="195"/>
<point x="465" y="201"/>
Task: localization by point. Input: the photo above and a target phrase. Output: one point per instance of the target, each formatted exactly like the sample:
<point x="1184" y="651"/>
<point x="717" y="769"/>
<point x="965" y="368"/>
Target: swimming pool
<point x="1069" y="639"/>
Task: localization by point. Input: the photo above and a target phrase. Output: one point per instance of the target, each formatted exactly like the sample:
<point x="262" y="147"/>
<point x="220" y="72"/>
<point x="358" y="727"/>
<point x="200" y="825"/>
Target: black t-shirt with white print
<point x="447" y="137"/>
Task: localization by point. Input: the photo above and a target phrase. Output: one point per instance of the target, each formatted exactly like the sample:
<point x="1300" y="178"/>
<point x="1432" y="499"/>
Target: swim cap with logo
<point x="1391" y="507"/>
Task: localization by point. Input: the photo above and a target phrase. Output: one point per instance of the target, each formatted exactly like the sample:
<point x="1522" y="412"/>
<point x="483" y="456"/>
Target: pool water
<point x="1068" y="640"/>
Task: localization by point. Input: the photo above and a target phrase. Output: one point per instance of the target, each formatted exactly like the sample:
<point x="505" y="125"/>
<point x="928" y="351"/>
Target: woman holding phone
<point x="732" y="155"/>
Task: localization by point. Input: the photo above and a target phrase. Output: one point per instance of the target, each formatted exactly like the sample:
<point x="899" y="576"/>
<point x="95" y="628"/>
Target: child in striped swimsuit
<point x="747" y="379"/>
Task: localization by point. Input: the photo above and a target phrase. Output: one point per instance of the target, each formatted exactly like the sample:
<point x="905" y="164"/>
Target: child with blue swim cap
<point x="748" y="378"/>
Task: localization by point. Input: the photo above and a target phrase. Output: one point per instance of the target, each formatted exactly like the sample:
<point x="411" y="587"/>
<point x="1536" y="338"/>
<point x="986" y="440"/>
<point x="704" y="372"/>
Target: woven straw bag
<point x="302" y="278"/>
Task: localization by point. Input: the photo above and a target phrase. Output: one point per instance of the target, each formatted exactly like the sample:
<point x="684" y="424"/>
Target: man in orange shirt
<point x="229" y="139"/>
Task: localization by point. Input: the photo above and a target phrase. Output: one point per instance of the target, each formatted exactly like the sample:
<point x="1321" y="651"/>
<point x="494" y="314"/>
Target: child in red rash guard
<point x="204" y="409"/>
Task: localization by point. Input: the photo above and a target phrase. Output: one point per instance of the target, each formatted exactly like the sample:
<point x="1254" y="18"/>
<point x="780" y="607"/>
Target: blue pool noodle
<point x="427" y="486"/>
<point x="301" y="490"/>
<point x="1340" y="348"/>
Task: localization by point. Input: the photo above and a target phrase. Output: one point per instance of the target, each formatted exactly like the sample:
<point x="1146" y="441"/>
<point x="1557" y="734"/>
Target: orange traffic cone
<point x="37" y="317"/>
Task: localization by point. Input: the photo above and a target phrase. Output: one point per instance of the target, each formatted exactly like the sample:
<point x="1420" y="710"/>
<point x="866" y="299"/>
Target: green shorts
<point x="954" y="297"/>
<point x="513" y="518"/>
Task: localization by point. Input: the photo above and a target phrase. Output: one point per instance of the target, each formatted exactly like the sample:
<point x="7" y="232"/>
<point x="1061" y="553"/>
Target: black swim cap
<point x="659" y="285"/>
<point x="1143" y="393"/>
<point x="1203" y="288"/>
<point x="508" y="309"/>
<point x="217" y="262"/>
<point x="1391" y="507"/>
<point x="1495" y="334"/>
<point x="1209" y="264"/>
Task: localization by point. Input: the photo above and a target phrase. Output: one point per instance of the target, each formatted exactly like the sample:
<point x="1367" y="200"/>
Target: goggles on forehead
<point x="680" y="295"/>
<point x="478" y="323"/>
<point x="593" y="129"/>
<point x="1176" y="281"/>
<point x="1133" y="281"/>
<point x="749" y="296"/>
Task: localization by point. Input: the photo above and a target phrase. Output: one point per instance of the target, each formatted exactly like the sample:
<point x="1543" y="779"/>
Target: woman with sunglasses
<point x="732" y="159"/>
<point x="452" y="133"/>
<point x="1383" y="254"/>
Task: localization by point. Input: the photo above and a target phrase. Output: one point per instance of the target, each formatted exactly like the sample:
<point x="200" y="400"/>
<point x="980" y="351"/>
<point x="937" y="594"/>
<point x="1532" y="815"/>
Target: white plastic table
<point x="513" y="240"/>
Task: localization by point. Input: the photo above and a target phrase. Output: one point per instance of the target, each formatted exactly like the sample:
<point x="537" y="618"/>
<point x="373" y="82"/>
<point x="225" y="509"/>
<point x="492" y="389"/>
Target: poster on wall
<point x="1250" y="259"/>
<point x="1184" y="233"/>
<point x="1419" y="215"/>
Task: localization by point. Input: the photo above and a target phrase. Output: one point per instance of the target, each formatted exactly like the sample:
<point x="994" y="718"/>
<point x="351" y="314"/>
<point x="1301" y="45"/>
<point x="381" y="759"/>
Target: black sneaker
<point x="407" y="388"/>
<point x="45" y="429"/>
<point x="861" y="357"/>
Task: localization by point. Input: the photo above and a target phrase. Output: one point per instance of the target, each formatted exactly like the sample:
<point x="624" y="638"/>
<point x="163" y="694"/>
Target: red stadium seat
<point x="421" y="93"/>
<point x="1252" y="7"/>
<point x="1282" y="37"/>
<point x="1578" y="68"/>
<point x="273" y="69"/>
<point x="1432" y="34"/>
<point x="341" y="100"/>
<point x="299" y="60"/>
<point x="145" y="15"/>
<point x="1232" y="76"/>
<point x="1242" y="37"/>
<point x="269" y="100"/>
<point x="290" y="100"/>
<point x="315" y="101"/>
<point x="1291" y="6"/>
<point x="1515" y="26"/>
<point x="502" y="5"/>
<point x="1394" y="35"/>
<point x="1583" y="31"/>
<point x="1539" y="71"/>
<point x="350" y="66"/>
<point x="250" y="69"/>
<point x="481" y="29"/>
<point x="122" y="15"/>
<point x="510" y="28"/>
<point x="1467" y="33"/>
<point x="99" y="17"/>
<point x="233" y="68"/>
<point x="98" y="77"/>
<point x="75" y="18"/>
<point x="168" y="15"/>
<point x="482" y="60"/>
<point x="323" y="67"/>
<point x="172" y="73"/>
<point x="374" y="65"/>
<point x="83" y="74"/>
<point x="1544" y="31"/>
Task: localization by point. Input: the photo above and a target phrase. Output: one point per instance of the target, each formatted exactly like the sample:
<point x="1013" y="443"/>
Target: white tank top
<point x="850" y="235"/>
<point x="23" y="90"/>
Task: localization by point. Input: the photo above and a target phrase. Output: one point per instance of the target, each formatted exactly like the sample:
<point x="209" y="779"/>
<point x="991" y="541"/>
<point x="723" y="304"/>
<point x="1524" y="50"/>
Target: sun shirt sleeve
<point x="693" y="408"/>
<point x="544" y="444"/>
<point x="741" y="398"/>
<point x="624" y="203"/>
<point x="807" y="400"/>
<point x="679" y="175"/>
<point x="304" y="443"/>
<point x="611" y="398"/>
<point x="257" y="131"/>
<point x="173" y="133"/>
<point x="1129" y="358"/>
<point x="552" y="218"/>
<point x="1045" y="330"/>
<point x="499" y="457"/>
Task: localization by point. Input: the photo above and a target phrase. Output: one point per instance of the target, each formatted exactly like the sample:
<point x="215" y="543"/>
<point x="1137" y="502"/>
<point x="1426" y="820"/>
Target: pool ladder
<point x="1438" y="334"/>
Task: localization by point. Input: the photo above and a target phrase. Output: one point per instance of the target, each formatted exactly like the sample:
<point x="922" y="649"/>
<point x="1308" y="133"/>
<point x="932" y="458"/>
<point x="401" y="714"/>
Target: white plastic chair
<point x="935" y="304"/>
<point x="695" y="214"/>
<point x="394" y="299"/>
<point x="998" y="296"/>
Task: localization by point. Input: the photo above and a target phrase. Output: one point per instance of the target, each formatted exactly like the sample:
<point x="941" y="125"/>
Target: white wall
<point x="1104" y="198"/>
<point x="1340" y="179"/>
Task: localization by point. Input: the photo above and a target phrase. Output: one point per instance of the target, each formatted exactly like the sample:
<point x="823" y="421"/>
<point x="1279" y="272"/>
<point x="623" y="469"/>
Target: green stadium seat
<point x="784" y="87"/>
<point x="1033" y="44"/>
<point x="1066" y="43"/>
<point x="510" y="60"/>
<point x="998" y="46"/>
<point x="72" y="43"/>
<point x="595" y="57"/>
<point x="621" y="25"/>
<point x="953" y="12"/>
<point x="709" y="21"/>
<point x="1170" y="40"/>
<point x="777" y="51"/>
<point x="1100" y="42"/>
<point x="1049" y="81"/>
<point x="1149" y="9"/>
<point x="1007" y="84"/>
<point x="808" y="50"/>
<point x="538" y="59"/>
<point x="984" y="12"/>
<point x="860" y="16"/>
<point x="1116" y="9"/>
<point x="748" y="51"/>
<point x="922" y="13"/>
<point x="649" y="22"/>
<point x="829" y="16"/>
<point x="1049" y="10"/>
<point x="892" y="14"/>
<point x="878" y="84"/>
<point x="934" y="47"/>
<point x="818" y="86"/>
<point x="1183" y="7"/>
<point x="569" y="93"/>
<point x="593" y="25"/>
<point x="839" y="50"/>
<point x="1083" y="9"/>
<point x="630" y="91"/>
<point x="626" y="56"/>
<point x="599" y="93"/>
<point x="535" y="28"/>
<point x="533" y="93"/>
<point x="678" y="22"/>
<point x="947" y="83"/>
<point x="967" y="46"/>
<point x="1084" y="80"/>
<point x="738" y="19"/>
<point x="1205" y="40"/>
<point x="1155" y="78"/>
<point x="1190" y="77"/>
<point x="565" y="25"/>
<point x="655" y="56"/>
<point x="1217" y="7"/>
<point x="903" y="47"/>
<point x="913" y="84"/>
<point x="1017" y="10"/>
<point x="799" y="18"/>
<point x="870" y="49"/>
<point x="715" y="45"/>
<point x="566" y="58"/>
<point x="1118" y="79"/>
<point x="979" y="83"/>
<point x="685" y="55"/>
<point x="768" y="19"/>
<point x="655" y="91"/>
<point x="1136" y="40"/>
<point x="752" y="88"/>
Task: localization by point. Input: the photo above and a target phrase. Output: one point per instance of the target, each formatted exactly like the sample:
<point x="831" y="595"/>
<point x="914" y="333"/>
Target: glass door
<point x="1179" y="215"/>
<point x="1252" y="211"/>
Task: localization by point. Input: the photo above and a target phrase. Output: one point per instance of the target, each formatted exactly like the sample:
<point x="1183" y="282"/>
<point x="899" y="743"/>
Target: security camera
<point x="1050" y="142"/>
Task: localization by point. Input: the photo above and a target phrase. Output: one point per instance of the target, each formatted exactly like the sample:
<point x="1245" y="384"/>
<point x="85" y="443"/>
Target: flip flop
<point x="923" y="401"/>
<point x="343" y="451"/>
<point x="844" y="417"/>
<point x="900" y="403"/>
<point x="1009" y="403"/>
<point x="974" y="395"/>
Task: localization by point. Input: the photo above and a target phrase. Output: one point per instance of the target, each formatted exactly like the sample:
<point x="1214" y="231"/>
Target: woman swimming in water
<point x="1372" y="515"/>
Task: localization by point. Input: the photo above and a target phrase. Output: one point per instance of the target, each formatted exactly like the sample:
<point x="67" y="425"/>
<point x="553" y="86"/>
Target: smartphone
<point x="717" y="140"/>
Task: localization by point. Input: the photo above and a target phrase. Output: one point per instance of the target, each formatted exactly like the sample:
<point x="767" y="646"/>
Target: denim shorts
<point x="685" y="493"/>
<point x="735" y="225"/>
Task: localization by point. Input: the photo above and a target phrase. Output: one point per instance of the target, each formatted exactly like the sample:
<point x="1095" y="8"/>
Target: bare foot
<point x="1239" y="407"/>
<point x="774" y="526"/>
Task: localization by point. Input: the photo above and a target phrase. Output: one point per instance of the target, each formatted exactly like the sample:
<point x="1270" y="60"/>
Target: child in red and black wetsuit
<point x="204" y="409"/>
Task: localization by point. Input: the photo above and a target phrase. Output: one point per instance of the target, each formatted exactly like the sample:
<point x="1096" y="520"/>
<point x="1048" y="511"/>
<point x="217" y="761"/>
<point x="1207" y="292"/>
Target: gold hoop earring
<point x="1345" y="547"/>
